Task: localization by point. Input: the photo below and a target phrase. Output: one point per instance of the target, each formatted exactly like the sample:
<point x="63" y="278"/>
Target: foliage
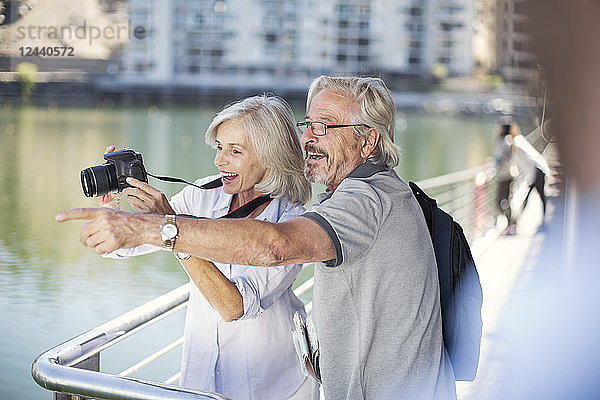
<point x="26" y="73"/>
<point x="495" y="80"/>
<point x="439" y="72"/>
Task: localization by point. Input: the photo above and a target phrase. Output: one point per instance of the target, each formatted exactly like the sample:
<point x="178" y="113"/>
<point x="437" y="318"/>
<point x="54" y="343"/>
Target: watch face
<point x="182" y="256"/>
<point x="168" y="231"/>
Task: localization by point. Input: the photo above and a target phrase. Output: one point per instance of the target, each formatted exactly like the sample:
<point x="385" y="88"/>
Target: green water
<point x="52" y="288"/>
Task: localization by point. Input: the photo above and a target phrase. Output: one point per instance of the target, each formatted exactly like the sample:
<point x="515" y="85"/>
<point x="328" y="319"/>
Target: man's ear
<point x="371" y="141"/>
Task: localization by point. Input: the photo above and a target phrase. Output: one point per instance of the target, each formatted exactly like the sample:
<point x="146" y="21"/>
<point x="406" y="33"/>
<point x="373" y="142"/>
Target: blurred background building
<point x="516" y="61"/>
<point x="289" y="42"/>
<point x="233" y="47"/>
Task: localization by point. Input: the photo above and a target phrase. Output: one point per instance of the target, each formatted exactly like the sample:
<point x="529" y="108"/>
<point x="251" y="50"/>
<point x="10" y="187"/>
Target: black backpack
<point x="460" y="291"/>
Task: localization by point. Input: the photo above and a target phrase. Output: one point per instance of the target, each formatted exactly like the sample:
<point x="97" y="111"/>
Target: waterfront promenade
<point x="511" y="269"/>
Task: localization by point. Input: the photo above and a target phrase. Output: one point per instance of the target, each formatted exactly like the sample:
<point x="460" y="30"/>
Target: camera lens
<point x="99" y="180"/>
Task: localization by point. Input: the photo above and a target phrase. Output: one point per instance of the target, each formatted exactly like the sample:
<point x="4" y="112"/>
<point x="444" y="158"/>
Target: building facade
<point x="286" y="43"/>
<point x="515" y="58"/>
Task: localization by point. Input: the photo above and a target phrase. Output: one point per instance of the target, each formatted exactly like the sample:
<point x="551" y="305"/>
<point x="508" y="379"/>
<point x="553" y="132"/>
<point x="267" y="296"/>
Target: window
<point x="520" y="27"/>
<point x="140" y="67"/>
<point x="271" y="37"/>
<point x="520" y="7"/>
<point x="450" y="10"/>
<point x="414" y="27"/>
<point x="526" y="64"/>
<point x="415" y="11"/>
<point x="447" y="27"/>
<point x="522" y="46"/>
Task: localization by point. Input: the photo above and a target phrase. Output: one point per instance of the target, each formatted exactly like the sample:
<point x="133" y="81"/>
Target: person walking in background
<point x="505" y="173"/>
<point x="376" y="293"/>
<point x="237" y="339"/>
<point x="532" y="166"/>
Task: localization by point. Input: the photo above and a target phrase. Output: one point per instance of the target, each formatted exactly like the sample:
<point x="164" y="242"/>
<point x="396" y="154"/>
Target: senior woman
<point x="237" y="339"/>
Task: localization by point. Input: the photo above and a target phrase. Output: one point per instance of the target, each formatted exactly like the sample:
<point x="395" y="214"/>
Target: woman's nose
<point x="220" y="159"/>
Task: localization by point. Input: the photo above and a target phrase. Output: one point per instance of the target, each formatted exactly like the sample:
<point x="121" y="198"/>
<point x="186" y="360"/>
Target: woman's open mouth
<point x="228" y="177"/>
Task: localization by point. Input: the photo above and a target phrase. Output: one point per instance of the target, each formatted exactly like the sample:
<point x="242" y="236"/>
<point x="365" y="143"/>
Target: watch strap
<point x="169" y="244"/>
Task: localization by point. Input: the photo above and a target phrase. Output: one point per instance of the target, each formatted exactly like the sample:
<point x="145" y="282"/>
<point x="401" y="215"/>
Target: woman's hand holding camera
<point x="142" y="197"/>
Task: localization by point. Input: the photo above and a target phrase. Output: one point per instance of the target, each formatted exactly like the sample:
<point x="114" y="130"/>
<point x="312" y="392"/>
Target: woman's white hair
<point x="269" y="123"/>
<point x="377" y="109"/>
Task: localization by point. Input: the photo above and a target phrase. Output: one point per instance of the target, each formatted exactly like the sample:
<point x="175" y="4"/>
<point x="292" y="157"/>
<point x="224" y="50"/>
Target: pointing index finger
<point x="78" y="213"/>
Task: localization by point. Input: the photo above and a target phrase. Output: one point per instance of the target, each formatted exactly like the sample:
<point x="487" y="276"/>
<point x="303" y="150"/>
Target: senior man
<point x="376" y="294"/>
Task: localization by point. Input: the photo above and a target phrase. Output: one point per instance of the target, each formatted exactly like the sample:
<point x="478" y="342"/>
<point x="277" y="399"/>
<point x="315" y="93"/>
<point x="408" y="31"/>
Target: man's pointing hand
<point x="78" y="213"/>
<point x="108" y="229"/>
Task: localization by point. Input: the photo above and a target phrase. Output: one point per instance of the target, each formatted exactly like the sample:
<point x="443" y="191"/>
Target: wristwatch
<point x="181" y="255"/>
<point x="168" y="232"/>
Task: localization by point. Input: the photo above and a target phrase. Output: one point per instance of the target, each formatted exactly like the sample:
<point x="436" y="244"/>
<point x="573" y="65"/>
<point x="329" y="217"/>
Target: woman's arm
<point x="220" y="292"/>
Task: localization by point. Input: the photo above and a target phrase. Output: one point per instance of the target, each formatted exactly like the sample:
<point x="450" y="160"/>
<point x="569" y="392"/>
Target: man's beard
<point x="315" y="175"/>
<point x="328" y="174"/>
<point x="331" y="174"/>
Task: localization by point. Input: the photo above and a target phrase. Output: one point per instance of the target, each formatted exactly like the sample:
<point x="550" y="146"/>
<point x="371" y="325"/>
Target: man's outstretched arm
<point x="235" y="241"/>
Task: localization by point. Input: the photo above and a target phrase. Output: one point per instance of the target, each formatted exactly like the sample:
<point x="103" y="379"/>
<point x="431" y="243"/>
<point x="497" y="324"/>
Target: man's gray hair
<point x="377" y="109"/>
<point x="269" y="123"/>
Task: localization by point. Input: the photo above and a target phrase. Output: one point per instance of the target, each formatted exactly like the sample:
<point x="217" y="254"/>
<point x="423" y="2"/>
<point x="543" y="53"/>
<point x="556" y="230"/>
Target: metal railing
<point x="72" y="368"/>
<point x="469" y="196"/>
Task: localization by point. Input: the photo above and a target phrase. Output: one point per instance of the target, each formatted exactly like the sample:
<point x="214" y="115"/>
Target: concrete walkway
<point x="507" y="269"/>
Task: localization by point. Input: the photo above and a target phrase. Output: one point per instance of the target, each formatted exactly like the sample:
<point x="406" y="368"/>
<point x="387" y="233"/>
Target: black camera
<point x="110" y="176"/>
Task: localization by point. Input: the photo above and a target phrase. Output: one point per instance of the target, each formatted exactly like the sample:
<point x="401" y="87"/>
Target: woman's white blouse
<point x="252" y="357"/>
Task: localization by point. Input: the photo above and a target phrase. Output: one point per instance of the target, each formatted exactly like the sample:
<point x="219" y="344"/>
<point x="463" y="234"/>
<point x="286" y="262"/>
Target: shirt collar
<point x="221" y="206"/>
<point x="364" y="170"/>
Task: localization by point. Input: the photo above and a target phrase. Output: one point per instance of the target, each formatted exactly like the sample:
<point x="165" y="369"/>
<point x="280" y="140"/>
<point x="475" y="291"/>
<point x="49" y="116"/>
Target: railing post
<point x="91" y="363"/>
<point x="481" y="198"/>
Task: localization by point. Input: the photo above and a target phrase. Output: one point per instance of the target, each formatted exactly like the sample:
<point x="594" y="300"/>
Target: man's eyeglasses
<point x="320" y="128"/>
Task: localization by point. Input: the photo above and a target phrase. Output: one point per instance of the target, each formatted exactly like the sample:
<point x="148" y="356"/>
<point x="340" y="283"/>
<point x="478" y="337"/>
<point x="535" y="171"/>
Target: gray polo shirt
<point x="376" y="306"/>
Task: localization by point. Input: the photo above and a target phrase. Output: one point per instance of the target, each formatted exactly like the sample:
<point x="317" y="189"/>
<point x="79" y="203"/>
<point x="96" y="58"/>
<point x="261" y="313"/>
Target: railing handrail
<point x="53" y="369"/>
<point x="56" y="369"/>
<point x="454" y="177"/>
<point x="58" y="378"/>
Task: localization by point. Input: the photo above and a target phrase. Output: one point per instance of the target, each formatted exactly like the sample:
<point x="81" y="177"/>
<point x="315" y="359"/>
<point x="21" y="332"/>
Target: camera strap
<point x="176" y="180"/>
<point x="245" y="209"/>
<point x="241" y="212"/>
